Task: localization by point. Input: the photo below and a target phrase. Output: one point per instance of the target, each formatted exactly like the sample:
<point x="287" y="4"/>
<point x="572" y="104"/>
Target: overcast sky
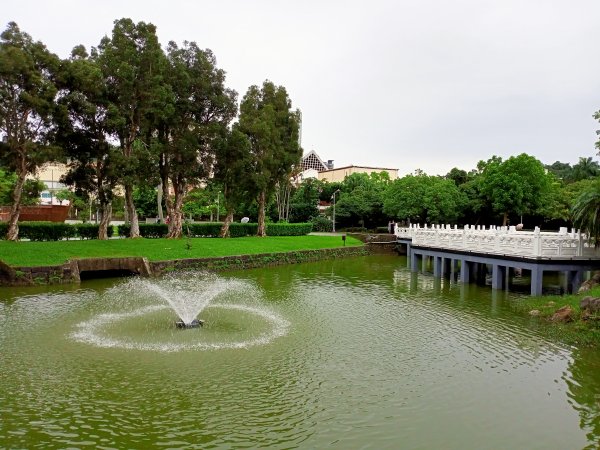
<point x="429" y="84"/>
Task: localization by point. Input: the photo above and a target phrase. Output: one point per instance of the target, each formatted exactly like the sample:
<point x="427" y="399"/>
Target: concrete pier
<point x="471" y="266"/>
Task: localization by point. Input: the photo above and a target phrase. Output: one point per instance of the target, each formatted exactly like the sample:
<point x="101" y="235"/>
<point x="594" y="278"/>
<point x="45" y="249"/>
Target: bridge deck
<point x="502" y="249"/>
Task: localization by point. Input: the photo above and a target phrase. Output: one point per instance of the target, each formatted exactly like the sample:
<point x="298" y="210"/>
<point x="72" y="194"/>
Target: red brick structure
<point x="39" y="213"/>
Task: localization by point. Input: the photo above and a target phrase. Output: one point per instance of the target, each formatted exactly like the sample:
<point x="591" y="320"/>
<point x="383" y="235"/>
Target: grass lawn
<point x="53" y="253"/>
<point x="578" y="332"/>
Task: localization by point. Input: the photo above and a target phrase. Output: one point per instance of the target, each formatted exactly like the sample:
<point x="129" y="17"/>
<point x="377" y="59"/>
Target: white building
<point x="50" y="174"/>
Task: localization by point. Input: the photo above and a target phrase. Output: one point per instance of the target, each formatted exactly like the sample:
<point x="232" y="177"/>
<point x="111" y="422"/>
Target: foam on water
<point x="187" y="295"/>
<point x="91" y="331"/>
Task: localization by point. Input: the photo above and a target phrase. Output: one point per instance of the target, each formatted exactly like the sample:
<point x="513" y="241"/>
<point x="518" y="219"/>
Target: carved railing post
<point x="537" y="242"/>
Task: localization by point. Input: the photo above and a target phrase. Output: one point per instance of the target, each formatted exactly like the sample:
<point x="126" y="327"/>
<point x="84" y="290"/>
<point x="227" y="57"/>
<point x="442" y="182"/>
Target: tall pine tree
<point x="267" y="118"/>
<point x="27" y="108"/>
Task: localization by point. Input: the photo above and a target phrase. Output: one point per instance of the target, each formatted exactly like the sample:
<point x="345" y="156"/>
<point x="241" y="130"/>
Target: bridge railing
<point x="501" y="240"/>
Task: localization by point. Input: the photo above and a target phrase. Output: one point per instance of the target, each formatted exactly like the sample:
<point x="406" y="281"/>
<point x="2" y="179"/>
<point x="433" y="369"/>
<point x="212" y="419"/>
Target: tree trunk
<point x="106" y="211"/>
<point x="262" y="229"/>
<point x="175" y="213"/>
<point x="278" y="200"/>
<point x="505" y="220"/>
<point x="159" y="207"/>
<point x="131" y="212"/>
<point x="13" y="221"/>
<point x="165" y="195"/>
<point x="225" y="228"/>
<point x="287" y="203"/>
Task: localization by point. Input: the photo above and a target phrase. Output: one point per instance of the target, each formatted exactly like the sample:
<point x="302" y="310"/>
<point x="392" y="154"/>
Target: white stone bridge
<point x="504" y="249"/>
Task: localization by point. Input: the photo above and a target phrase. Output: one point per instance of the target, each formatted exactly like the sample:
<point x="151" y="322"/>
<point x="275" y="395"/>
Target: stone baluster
<point x="560" y="245"/>
<point x="537" y="242"/>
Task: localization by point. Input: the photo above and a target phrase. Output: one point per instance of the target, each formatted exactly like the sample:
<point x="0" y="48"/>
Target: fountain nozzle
<point x="196" y="323"/>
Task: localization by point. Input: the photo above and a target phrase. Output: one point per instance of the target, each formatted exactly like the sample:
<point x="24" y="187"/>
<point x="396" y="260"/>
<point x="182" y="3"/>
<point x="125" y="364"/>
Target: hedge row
<point x="212" y="229"/>
<point x="52" y="231"/>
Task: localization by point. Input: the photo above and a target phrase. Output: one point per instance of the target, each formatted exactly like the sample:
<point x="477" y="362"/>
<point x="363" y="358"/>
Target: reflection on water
<point x="583" y="380"/>
<point x="372" y="357"/>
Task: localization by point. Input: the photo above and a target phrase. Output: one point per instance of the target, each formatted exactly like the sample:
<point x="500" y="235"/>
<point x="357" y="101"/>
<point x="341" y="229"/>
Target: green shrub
<point x="90" y="230"/>
<point x="54" y="231"/>
<point x="213" y="229"/>
<point x="123" y="230"/>
<point x="322" y="224"/>
<point x="237" y="229"/>
<point x="147" y="230"/>
<point x="288" y="229"/>
<point x="203" y="229"/>
<point x="356" y="230"/>
<point x="46" y="231"/>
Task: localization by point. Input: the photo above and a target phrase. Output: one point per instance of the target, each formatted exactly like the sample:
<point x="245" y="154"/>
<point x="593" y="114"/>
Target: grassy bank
<point x="578" y="332"/>
<point x="53" y="253"/>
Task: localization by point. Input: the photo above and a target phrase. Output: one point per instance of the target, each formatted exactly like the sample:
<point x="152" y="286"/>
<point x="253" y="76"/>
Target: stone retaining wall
<point x="70" y="272"/>
<point x="254" y="261"/>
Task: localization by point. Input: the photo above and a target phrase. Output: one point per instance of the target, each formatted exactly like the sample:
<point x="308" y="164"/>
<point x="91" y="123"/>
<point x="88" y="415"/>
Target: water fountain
<point x="187" y="298"/>
<point x="142" y="313"/>
<point x="196" y="323"/>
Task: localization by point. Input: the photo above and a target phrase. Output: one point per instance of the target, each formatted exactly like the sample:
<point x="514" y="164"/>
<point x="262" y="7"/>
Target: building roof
<point x="358" y="167"/>
<point x="312" y="161"/>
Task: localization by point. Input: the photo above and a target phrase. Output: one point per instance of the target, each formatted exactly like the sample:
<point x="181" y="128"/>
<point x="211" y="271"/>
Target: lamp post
<point x="218" y="196"/>
<point x="333" y="197"/>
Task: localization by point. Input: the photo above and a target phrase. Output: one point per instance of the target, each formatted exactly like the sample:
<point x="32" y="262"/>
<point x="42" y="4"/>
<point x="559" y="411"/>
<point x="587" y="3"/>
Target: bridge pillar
<point x="446" y="263"/>
<point x="510" y="274"/>
<point x="577" y="280"/>
<point x="437" y="266"/>
<point x="537" y="279"/>
<point x="480" y="273"/>
<point x="498" y="276"/>
<point x="454" y="269"/>
<point x="414" y="262"/>
<point x="465" y="271"/>
<point x="424" y="263"/>
<point x="574" y="280"/>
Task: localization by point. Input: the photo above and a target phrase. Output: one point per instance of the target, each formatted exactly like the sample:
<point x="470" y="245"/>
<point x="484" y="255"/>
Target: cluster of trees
<point x="503" y="191"/>
<point x="129" y="116"/>
<point x="129" y="113"/>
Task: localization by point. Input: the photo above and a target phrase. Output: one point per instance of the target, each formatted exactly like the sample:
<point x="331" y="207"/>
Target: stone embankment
<point x="77" y="269"/>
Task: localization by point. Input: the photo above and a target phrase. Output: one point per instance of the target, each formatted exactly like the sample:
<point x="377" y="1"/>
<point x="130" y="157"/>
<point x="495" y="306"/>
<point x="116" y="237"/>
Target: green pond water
<point x="346" y="354"/>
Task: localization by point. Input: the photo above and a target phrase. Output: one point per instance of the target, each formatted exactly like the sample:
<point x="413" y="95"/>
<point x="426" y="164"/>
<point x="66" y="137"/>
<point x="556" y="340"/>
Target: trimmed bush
<point x="237" y="229"/>
<point x="356" y="230"/>
<point x="53" y="231"/>
<point x="202" y="229"/>
<point x="322" y="224"/>
<point x="288" y="229"/>
<point x="147" y="230"/>
<point x="212" y="229"/>
<point x="46" y="231"/>
<point x="90" y="230"/>
<point x="123" y="230"/>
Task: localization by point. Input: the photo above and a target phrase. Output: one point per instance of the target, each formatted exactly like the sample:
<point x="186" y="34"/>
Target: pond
<point x="351" y="353"/>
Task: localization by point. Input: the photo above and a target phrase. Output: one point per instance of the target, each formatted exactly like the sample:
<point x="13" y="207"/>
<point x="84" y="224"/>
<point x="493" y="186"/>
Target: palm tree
<point x="586" y="212"/>
<point x="586" y="168"/>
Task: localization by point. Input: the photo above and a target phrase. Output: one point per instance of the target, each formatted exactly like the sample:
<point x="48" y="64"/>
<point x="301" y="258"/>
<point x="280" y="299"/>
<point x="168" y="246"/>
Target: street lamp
<point x="333" y="198"/>
<point x="218" y="196"/>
